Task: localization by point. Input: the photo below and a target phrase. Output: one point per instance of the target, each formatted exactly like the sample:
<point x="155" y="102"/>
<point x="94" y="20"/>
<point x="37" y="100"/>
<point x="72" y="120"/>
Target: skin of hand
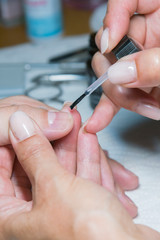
<point x="133" y="80"/>
<point x="63" y="206"/>
<point x="106" y="172"/>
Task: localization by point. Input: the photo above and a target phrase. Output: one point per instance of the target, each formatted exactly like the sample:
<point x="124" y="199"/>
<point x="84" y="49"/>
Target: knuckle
<point x="16" y="107"/>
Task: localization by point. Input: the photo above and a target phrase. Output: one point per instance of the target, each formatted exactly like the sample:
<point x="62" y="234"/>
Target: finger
<point x="100" y="64"/>
<point x="156" y="94"/>
<point x="21" y="183"/>
<point x="124" y="178"/>
<point x="137" y="70"/>
<point x="7" y="156"/>
<point x="66" y="147"/>
<point x="117" y="19"/>
<point x="127" y="202"/>
<point x="6" y="164"/>
<point x="132" y="99"/>
<point x="105" y="108"/>
<point x="54" y="124"/>
<point x="143" y="29"/>
<point x="33" y="151"/>
<point x="111" y="184"/>
<point x="23" y="100"/>
<point x="106" y="174"/>
<point x="88" y="157"/>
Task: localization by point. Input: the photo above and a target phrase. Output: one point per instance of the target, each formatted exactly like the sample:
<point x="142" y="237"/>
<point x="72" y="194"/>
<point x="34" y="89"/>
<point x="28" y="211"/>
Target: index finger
<point x="117" y="19"/>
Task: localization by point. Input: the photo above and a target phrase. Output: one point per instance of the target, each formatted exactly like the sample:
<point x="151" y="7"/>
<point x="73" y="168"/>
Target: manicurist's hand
<point x="62" y="127"/>
<point x="133" y="80"/>
<point x="63" y="206"/>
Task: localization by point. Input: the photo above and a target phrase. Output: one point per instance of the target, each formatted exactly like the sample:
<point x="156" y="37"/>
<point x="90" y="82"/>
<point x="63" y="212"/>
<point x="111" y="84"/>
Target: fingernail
<point x="123" y="197"/>
<point x="59" y="121"/>
<point x="66" y="107"/>
<point x="104" y="40"/>
<point x="147" y="110"/>
<point x="21" y="126"/>
<point x="129" y="200"/>
<point x="67" y="103"/>
<point x="128" y="172"/>
<point x="123" y="72"/>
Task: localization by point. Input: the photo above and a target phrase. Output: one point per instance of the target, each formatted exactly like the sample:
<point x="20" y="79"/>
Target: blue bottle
<point x="43" y="18"/>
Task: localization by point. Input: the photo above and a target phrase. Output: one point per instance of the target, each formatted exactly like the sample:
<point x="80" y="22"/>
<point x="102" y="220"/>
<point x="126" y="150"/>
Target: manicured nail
<point x="59" y="121"/>
<point x="129" y="173"/>
<point x="66" y="107"/>
<point x="129" y="200"/>
<point x="67" y="103"/>
<point x="123" y="197"/>
<point x="104" y="40"/>
<point x="21" y="126"/>
<point x="123" y="72"/>
<point x="147" y="110"/>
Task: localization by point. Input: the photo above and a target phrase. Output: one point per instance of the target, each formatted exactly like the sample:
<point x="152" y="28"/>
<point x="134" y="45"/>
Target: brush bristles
<point x="77" y="101"/>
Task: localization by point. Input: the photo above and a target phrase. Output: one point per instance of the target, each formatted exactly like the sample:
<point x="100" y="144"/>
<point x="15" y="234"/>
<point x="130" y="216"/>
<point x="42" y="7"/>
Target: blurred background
<point x="46" y="47"/>
<point x="21" y="20"/>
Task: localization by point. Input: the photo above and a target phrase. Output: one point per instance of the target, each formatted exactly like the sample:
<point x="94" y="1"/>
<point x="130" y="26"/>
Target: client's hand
<point x="107" y="172"/>
<point x="64" y="206"/>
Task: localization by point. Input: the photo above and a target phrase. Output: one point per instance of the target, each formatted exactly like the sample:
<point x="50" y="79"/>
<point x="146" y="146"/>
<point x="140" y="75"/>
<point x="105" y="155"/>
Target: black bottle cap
<point x="125" y="47"/>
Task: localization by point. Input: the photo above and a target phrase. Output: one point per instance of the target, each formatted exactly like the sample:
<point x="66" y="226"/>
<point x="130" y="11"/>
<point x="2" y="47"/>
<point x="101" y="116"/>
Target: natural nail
<point x="129" y="173"/>
<point x="123" y="72"/>
<point x="148" y="110"/>
<point x="66" y="107"/>
<point x="21" y="126"/>
<point x="104" y="40"/>
<point x="123" y="197"/>
<point x="59" y="121"/>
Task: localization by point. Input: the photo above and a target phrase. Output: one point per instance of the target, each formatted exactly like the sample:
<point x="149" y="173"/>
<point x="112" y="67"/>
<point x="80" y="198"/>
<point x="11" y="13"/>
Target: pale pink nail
<point x="128" y="172"/>
<point x="21" y="126"/>
<point x="66" y="107"/>
<point x="123" y="72"/>
<point x="59" y="121"/>
<point x="147" y="110"/>
<point x="123" y="197"/>
<point x="104" y="40"/>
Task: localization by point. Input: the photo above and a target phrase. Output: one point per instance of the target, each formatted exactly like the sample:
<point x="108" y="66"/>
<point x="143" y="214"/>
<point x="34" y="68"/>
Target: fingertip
<point x="100" y="64"/>
<point x="126" y="179"/>
<point x="21" y="126"/>
<point x="131" y="179"/>
<point x="59" y="122"/>
<point x="104" y="40"/>
<point x="96" y="122"/>
<point x="66" y="107"/>
<point x="98" y="38"/>
<point x="117" y="19"/>
<point x="129" y="205"/>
